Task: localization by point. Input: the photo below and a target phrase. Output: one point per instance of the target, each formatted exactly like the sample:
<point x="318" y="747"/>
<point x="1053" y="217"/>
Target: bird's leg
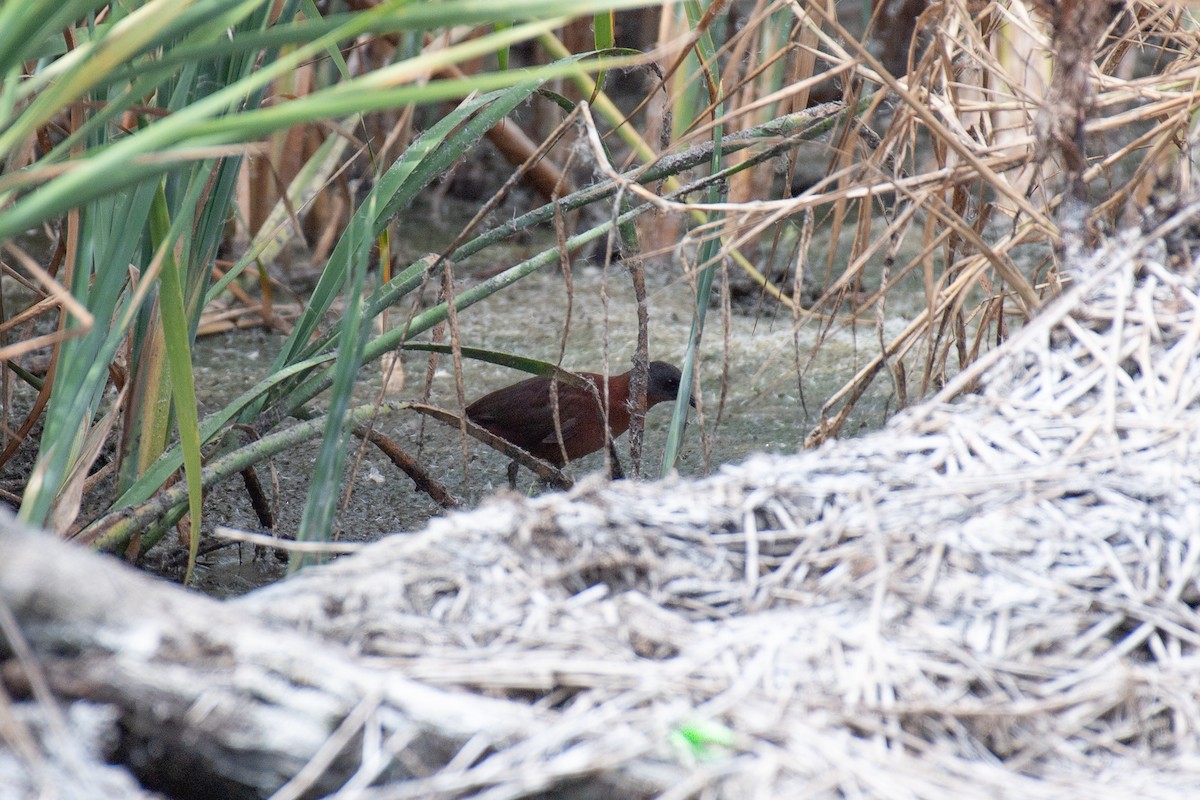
<point x="512" y="474"/>
<point x="615" y="472"/>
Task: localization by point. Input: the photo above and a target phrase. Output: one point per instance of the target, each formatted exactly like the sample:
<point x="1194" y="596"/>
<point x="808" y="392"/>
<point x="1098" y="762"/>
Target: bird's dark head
<point x="662" y="384"/>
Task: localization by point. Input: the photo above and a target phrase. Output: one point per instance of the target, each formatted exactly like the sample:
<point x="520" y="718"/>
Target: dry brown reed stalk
<point x="949" y="173"/>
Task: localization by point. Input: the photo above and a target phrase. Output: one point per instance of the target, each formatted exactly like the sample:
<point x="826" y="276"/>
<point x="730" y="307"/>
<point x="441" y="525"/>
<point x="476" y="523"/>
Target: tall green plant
<point x="129" y="127"/>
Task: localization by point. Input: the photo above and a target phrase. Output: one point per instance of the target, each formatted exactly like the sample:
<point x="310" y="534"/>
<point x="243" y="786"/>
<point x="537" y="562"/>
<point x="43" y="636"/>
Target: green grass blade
<point x="709" y="250"/>
<point x="604" y="36"/>
<point x="110" y="233"/>
<point x="176" y="333"/>
<point x="316" y="523"/>
<point x="162" y="146"/>
<point x="533" y="366"/>
<point x="27" y="24"/>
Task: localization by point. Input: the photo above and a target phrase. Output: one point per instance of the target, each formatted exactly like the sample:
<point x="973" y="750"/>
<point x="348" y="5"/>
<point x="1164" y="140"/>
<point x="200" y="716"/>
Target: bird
<point x="523" y="415"/>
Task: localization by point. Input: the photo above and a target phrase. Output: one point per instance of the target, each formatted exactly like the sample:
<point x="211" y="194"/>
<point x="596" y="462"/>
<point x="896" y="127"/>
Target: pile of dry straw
<point x="992" y="597"/>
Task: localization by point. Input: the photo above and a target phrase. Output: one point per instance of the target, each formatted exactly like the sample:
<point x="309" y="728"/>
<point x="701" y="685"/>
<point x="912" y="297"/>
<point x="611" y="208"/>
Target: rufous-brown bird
<point x="523" y="415"/>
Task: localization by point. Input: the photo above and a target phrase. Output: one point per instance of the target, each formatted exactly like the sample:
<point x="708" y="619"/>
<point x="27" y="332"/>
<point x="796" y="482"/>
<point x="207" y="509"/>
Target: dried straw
<point x="993" y="597"/>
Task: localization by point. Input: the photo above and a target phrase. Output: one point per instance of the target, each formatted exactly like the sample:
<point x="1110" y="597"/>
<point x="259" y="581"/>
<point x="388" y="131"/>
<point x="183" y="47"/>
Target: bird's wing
<point x="530" y="421"/>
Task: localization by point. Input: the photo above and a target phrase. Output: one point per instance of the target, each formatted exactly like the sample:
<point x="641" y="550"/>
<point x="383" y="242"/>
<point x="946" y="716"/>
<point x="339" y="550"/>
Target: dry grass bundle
<point x="992" y="597"/>
<point x="954" y="186"/>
